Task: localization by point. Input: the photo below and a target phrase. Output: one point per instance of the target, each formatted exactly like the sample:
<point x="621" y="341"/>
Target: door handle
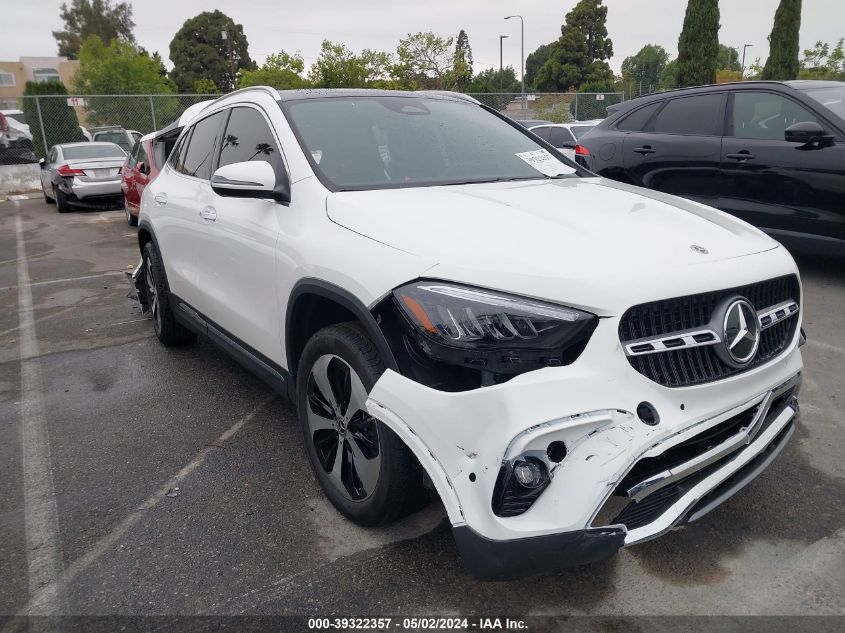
<point x="645" y="149"/>
<point x="160" y="199"/>
<point x="208" y="215"/>
<point x="742" y="155"/>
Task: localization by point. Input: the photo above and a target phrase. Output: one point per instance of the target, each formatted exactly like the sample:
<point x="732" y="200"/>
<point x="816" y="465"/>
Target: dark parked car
<point x="771" y="153"/>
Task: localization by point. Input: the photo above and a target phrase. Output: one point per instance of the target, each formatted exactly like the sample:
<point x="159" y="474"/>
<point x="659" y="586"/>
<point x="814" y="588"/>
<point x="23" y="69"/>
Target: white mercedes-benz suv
<point x="573" y="365"/>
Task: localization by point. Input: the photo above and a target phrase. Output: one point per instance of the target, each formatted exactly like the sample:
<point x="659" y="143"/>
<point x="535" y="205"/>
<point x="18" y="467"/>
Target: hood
<point x="575" y="228"/>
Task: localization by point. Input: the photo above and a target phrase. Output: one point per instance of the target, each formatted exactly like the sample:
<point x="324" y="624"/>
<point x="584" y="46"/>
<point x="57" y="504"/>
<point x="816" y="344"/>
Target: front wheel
<point x="364" y="469"/>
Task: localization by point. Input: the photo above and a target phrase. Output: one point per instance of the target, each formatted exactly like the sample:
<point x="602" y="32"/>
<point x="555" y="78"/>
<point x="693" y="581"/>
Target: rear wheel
<point x="364" y="469"/>
<point x="130" y="219"/>
<point x="167" y="329"/>
<point x="61" y="200"/>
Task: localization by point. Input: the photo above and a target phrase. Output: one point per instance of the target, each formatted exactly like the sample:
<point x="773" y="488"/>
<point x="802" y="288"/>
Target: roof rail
<point x="452" y="93"/>
<point x="265" y="89"/>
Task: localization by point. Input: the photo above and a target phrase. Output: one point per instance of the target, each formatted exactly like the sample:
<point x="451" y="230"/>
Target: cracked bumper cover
<point x="462" y="439"/>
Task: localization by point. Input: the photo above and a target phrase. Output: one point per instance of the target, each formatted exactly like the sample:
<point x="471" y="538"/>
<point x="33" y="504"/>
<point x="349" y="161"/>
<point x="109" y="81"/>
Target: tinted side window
<point x="248" y="137"/>
<point x="542" y="132"/>
<point x="200" y="154"/>
<point x="696" y="115"/>
<point x="559" y="136"/>
<point x="764" y="115"/>
<point x="177" y="159"/>
<point x="133" y="155"/>
<point x="143" y="158"/>
<point x="638" y="119"/>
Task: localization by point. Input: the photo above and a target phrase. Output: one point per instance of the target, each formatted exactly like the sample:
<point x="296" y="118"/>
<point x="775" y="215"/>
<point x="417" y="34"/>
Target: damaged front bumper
<point x="621" y="482"/>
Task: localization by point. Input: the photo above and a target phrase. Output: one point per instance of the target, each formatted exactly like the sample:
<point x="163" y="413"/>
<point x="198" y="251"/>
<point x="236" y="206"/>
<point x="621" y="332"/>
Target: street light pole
<point x="501" y="68"/>
<point x="521" y="54"/>
<point x="742" y="72"/>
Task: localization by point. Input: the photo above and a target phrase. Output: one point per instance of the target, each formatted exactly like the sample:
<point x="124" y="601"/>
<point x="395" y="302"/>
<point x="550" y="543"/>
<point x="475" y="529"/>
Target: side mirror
<point x="807" y="132"/>
<point x="251" y="179"/>
<point x="42" y="162"/>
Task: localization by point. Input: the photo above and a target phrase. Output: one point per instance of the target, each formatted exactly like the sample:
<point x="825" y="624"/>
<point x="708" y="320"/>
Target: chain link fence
<point x="559" y="107"/>
<point x="49" y="120"/>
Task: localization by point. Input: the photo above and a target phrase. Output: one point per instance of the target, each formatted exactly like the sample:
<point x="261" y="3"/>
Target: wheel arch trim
<point x="345" y="299"/>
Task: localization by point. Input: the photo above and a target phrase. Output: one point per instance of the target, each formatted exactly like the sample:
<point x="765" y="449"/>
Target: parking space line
<point x="68" y="279"/>
<point x="41" y="517"/>
<point x="825" y="346"/>
<point x="104" y="543"/>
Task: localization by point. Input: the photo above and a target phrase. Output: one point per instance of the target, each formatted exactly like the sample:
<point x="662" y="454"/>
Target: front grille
<point x="698" y="365"/>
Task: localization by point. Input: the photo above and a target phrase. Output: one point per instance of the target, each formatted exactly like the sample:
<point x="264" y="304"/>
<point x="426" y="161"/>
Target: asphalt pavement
<point x="173" y="482"/>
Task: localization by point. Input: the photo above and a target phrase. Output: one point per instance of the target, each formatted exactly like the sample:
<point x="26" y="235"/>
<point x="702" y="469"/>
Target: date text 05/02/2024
<point x="420" y="623"/>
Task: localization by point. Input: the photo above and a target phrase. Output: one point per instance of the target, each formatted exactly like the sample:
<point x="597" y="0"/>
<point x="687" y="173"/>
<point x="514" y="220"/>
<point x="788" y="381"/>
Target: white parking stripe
<point x="103" y="544"/>
<point x="41" y="517"/>
<point x="825" y="346"/>
<point x="68" y="279"/>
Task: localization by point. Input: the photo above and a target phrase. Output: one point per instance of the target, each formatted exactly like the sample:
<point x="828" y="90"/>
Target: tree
<point x="698" y="46"/>
<point x="200" y="50"/>
<point x="669" y="76"/>
<point x="487" y="82"/>
<point x="282" y="71"/>
<point x="461" y="63"/>
<point x="728" y="59"/>
<point x="424" y="61"/>
<point x="121" y="69"/>
<point x="822" y="62"/>
<point x="641" y="71"/>
<point x="580" y="54"/>
<point x="84" y="18"/>
<point x="338" y="67"/>
<point x="205" y="87"/>
<point x="783" y="63"/>
<point x="60" y="122"/>
<point x="534" y="62"/>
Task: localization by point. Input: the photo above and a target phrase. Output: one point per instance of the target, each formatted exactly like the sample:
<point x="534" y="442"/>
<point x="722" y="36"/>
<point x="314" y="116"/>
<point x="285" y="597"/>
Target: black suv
<point x="772" y="153"/>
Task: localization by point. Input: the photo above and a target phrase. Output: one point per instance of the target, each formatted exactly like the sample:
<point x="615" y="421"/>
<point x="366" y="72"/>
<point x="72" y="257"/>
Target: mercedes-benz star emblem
<point x="741" y="332"/>
<point x="698" y="249"/>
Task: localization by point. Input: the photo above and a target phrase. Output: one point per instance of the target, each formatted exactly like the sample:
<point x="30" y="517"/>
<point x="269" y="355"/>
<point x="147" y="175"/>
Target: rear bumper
<point x="94" y="189"/>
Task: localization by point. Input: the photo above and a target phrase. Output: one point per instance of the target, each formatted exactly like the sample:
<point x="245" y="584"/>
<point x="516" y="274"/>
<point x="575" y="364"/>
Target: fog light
<point x="529" y="474"/>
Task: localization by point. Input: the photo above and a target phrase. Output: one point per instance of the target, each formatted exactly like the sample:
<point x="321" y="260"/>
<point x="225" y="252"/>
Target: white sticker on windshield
<point x="543" y="161"/>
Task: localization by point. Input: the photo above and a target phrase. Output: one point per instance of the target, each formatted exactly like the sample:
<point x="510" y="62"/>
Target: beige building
<point x="14" y="75"/>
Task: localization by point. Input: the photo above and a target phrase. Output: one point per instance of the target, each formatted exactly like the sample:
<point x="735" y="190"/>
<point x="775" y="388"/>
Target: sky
<point x="273" y="25"/>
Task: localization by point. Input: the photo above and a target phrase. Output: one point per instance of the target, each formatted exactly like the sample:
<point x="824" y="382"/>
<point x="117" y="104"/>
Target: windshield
<point x="17" y="116"/>
<point x="78" y="152"/>
<point x="396" y="141"/>
<point x="119" y="138"/>
<point x="580" y="130"/>
<point x="832" y="98"/>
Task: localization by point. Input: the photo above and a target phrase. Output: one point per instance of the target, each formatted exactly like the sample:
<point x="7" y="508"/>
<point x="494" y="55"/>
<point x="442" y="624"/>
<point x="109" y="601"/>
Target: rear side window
<point x="638" y="119"/>
<point x="200" y="151"/>
<point x="696" y="115"/>
<point x="559" y="136"/>
<point x="249" y="138"/>
<point x="542" y="132"/>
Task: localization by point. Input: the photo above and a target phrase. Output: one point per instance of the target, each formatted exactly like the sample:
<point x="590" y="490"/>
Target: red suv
<point x="141" y="167"/>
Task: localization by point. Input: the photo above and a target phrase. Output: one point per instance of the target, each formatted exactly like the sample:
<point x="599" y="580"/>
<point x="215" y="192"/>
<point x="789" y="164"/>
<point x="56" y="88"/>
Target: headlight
<point x="492" y="331"/>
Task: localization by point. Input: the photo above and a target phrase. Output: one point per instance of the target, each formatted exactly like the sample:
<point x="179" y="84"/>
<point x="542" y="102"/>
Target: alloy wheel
<point x="344" y="435"/>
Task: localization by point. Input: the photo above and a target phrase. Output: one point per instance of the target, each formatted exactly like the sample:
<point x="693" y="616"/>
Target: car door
<point x="127" y="183"/>
<point x="237" y="256"/>
<point x="141" y="175"/>
<point x="776" y="184"/>
<point x="47" y="171"/>
<point x="563" y="139"/>
<point x="678" y="150"/>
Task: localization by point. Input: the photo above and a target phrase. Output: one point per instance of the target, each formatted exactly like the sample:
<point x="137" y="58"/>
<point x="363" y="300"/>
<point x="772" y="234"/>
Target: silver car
<point x="82" y="174"/>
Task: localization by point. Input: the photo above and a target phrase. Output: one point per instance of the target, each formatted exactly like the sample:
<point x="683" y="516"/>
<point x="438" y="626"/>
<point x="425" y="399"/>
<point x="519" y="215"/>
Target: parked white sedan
<point x="82" y="174"/>
<point x="564" y="136"/>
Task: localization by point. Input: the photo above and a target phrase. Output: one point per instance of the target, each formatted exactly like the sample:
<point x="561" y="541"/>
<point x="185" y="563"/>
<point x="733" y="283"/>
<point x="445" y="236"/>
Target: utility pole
<point x="501" y="68"/>
<point x="521" y="54"/>
<point x="225" y="36"/>
<point x="742" y="72"/>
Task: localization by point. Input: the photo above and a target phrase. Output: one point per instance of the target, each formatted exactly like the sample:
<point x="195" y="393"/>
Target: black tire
<point x="61" y="200"/>
<point x="398" y="489"/>
<point x="130" y="219"/>
<point x="167" y="329"/>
